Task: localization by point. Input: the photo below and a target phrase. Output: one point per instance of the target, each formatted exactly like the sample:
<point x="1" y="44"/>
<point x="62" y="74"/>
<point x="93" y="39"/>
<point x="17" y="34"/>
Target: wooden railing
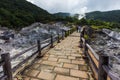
<point x="99" y="63"/>
<point x="5" y="62"/>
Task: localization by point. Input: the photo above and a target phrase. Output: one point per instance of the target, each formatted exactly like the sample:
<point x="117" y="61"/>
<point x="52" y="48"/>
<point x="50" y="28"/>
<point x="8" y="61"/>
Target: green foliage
<point x="82" y="22"/>
<point x="63" y="15"/>
<point x="19" y="13"/>
<point x="109" y="16"/>
<point x="100" y="27"/>
<point x="109" y="19"/>
<point x="73" y="29"/>
<point x="65" y="19"/>
<point x="102" y="24"/>
<point x="86" y="37"/>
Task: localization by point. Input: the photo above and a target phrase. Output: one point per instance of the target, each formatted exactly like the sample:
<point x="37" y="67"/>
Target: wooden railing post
<point x="7" y="66"/>
<point x="68" y="32"/>
<point x="51" y="41"/>
<point x="65" y="33"/>
<point x="39" y="48"/>
<point x="85" y="48"/>
<point x="81" y="42"/>
<point x="81" y="36"/>
<point x="58" y="38"/>
<point x="62" y="35"/>
<point x="103" y="60"/>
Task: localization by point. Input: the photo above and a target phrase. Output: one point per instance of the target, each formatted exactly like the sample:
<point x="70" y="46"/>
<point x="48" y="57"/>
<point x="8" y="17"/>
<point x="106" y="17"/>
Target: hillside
<point x="109" y="16"/>
<point x="61" y="14"/>
<point x="20" y="13"/>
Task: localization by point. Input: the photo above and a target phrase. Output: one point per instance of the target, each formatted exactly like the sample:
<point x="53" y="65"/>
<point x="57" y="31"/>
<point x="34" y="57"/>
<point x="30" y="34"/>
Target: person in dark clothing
<point x="77" y="28"/>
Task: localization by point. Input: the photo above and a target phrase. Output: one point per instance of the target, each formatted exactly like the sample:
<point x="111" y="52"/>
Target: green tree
<point x="82" y="22"/>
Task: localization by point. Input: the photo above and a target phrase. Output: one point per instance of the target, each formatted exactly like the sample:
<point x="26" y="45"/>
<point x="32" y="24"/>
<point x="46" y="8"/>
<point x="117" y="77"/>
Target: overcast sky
<point x="77" y="6"/>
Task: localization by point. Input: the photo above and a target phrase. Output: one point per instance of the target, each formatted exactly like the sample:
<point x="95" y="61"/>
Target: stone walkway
<point x="63" y="62"/>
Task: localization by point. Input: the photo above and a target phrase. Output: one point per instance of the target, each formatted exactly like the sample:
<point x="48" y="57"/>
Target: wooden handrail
<point x="21" y="53"/>
<point x="98" y="63"/>
<point x="45" y="46"/>
<point x="42" y="42"/>
<point x="112" y="75"/>
<point x="19" y="65"/>
<point x="6" y="60"/>
<point x="93" y="63"/>
<point x="106" y="68"/>
<point x="94" y="53"/>
<point x="83" y="39"/>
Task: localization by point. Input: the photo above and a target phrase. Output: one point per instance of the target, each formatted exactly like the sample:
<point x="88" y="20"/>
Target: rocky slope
<point x="26" y="38"/>
<point x="106" y="42"/>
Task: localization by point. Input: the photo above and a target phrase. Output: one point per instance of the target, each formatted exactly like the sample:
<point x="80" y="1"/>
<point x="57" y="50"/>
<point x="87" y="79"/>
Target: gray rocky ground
<point x="108" y="43"/>
<point x="26" y="38"/>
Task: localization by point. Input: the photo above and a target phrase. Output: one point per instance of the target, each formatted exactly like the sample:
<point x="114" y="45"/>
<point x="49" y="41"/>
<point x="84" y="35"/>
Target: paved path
<point x="63" y="62"/>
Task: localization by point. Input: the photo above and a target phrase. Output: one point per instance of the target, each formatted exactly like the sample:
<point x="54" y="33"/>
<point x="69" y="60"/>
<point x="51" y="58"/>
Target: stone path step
<point x="63" y="62"/>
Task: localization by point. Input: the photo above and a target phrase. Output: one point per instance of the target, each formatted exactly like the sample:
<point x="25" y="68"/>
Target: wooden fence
<point x="98" y="63"/>
<point x="5" y="63"/>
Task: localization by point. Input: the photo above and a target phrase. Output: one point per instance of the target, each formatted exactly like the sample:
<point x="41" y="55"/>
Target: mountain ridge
<point x="109" y="16"/>
<point x="20" y="13"/>
<point x="62" y="14"/>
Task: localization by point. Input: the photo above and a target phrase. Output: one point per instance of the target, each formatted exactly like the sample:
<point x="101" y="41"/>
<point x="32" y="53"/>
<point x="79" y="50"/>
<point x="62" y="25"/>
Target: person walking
<point x="79" y="28"/>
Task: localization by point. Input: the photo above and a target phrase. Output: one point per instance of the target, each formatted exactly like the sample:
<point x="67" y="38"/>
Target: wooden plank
<point x="22" y="65"/>
<point x="93" y="58"/>
<point x="23" y="62"/>
<point x="95" y="72"/>
<point x="93" y="52"/>
<point x="108" y="78"/>
<point x="45" y="41"/>
<point x="21" y="53"/>
<point x="93" y="66"/>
